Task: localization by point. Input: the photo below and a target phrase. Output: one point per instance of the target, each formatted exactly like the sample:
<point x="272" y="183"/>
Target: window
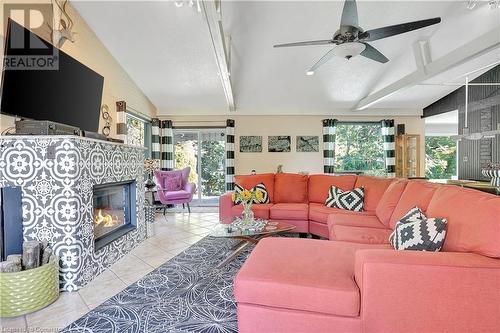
<point x="139" y="133"/>
<point x="359" y="148"/>
<point x="440" y="157"/>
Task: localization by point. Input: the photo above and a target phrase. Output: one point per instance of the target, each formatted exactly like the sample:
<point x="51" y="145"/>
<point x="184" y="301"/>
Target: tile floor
<point x="170" y="237"/>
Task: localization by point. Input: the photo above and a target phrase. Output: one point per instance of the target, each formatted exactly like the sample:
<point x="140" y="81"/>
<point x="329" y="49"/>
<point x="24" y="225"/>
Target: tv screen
<point x="42" y="82"/>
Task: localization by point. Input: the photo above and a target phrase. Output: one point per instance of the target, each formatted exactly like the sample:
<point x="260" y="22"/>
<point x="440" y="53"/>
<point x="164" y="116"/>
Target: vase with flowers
<point x="247" y="198"/>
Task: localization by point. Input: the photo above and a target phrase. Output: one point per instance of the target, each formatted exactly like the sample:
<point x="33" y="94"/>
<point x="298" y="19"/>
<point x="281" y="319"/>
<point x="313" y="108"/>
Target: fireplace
<point x="113" y="211"/>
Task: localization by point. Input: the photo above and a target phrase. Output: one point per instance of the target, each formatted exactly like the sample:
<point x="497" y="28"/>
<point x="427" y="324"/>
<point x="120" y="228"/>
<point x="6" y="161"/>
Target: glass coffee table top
<point x="247" y="233"/>
<point x="237" y="230"/>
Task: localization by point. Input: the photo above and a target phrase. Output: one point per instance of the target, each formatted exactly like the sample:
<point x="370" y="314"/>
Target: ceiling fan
<point x="351" y="40"/>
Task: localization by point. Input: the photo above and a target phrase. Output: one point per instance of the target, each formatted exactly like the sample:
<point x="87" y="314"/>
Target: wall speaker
<point x="401" y="129"/>
<point x="11" y="221"/>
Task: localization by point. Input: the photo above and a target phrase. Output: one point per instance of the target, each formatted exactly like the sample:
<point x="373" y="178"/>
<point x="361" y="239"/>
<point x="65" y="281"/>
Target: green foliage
<point x="359" y="148"/>
<point x="186" y="155"/>
<point x="440" y="157"/>
<point x="212" y="164"/>
<point x="212" y="168"/>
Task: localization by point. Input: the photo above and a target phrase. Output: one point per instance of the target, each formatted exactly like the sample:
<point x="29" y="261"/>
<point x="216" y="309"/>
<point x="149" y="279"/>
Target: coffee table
<point x="247" y="236"/>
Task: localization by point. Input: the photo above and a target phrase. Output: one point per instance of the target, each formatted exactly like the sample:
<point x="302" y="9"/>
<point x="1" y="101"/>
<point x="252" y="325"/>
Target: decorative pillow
<point x="348" y="200"/>
<point x="173" y="182"/>
<point x="416" y="232"/>
<point x="261" y="187"/>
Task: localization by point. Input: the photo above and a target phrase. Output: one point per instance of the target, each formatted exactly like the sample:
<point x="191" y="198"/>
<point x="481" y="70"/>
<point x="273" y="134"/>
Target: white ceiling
<point x="169" y="54"/>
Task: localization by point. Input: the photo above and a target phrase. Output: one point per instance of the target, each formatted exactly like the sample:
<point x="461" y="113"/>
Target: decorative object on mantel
<point x="279" y="169"/>
<point x="121" y="120"/>
<point x="150" y="166"/>
<point x="106" y="130"/>
<point x="28" y="281"/>
<point x="62" y="30"/>
<point x="492" y="171"/>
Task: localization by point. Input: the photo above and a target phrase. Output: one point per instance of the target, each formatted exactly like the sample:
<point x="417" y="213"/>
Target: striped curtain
<point x="229" y="155"/>
<point x="121" y="120"/>
<point x="329" y="145"/>
<point x="155" y="138"/>
<point x="389" y="147"/>
<point x="166" y="145"/>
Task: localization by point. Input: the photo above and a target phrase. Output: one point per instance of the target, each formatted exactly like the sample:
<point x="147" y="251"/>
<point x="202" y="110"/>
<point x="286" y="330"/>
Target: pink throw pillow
<point x="173" y="183"/>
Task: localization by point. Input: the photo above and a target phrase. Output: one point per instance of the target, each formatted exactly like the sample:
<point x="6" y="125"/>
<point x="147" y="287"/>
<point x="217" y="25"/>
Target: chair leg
<point x="164" y="209"/>
<point x="183" y="206"/>
<point x="189" y="208"/>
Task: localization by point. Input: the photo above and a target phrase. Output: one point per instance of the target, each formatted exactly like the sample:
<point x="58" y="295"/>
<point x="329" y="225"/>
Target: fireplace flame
<point x="107" y="219"/>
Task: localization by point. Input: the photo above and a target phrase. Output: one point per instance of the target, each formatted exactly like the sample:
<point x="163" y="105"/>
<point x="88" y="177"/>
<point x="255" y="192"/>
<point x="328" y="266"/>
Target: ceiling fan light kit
<point x="350" y="39"/>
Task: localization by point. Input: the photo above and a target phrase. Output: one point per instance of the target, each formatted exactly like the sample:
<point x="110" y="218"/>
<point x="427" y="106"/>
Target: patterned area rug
<point x="186" y="294"/>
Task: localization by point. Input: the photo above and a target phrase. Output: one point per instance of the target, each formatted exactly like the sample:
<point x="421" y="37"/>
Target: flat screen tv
<point x="35" y="87"/>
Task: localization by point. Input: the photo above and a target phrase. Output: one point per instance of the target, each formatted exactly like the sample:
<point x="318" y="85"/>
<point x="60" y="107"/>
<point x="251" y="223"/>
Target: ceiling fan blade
<point x="329" y="55"/>
<point x="311" y="42"/>
<point x="349" y="14"/>
<point x="373" y="54"/>
<point x="397" y="29"/>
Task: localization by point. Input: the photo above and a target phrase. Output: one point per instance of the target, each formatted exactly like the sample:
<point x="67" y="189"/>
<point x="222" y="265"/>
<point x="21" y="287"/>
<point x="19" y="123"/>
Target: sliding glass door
<point x="203" y="150"/>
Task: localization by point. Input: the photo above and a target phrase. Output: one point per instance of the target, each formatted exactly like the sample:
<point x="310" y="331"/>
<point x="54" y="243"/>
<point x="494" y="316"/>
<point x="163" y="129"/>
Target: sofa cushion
<point x="361" y="235"/>
<point x="319" y="213"/>
<point x="289" y="211"/>
<point x="177" y="195"/>
<point x="320" y="184"/>
<point x="368" y="221"/>
<point x="260" y="211"/>
<point x="389" y="200"/>
<point x="301" y="274"/>
<point x="249" y="181"/>
<point x="290" y="188"/>
<point x="473" y="219"/>
<point x="417" y="193"/>
<point x="374" y="189"/>
<point x="348" y="200"/>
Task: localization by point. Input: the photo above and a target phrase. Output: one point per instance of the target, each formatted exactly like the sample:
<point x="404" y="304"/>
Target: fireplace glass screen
<point x="112" y="207"/>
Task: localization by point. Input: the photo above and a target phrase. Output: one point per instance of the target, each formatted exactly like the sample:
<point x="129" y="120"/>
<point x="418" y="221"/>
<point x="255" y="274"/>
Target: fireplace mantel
<point x="57" y="175"/>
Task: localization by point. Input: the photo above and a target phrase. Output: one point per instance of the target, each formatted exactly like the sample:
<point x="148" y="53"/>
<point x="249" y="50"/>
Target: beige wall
<point x="287" y="125"/>
<point x="89" y="50"/>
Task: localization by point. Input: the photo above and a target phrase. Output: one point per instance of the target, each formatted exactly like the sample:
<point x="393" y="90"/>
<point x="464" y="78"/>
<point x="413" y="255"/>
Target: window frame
<point x="366" y="123"/>
<point x="147" y="130"/>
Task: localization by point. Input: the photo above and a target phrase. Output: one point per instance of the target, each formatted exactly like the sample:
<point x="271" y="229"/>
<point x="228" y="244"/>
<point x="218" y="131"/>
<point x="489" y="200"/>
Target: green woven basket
<point x="28" y="291"/>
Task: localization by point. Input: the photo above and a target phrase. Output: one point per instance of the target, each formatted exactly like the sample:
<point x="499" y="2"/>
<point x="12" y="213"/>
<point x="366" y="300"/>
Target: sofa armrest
<point x="410" y="291"/>
<point x="225" y="205"/>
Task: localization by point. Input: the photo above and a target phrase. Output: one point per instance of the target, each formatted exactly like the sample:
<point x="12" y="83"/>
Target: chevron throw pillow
<point x="348" y="200"/>
<point x="416" y="232"/>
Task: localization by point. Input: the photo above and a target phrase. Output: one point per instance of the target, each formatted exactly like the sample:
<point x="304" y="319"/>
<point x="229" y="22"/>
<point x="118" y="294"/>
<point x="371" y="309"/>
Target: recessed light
<point x="309" y="73"/>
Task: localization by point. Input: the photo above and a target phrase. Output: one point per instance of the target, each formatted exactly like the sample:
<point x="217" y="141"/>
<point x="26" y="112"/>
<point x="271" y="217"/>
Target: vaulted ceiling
<point x="168" y="52"/>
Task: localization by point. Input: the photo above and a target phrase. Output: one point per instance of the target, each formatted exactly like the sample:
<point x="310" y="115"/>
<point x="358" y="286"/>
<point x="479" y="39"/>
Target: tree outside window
<point x="440" y="157"/>
<point x="359" y="148"/>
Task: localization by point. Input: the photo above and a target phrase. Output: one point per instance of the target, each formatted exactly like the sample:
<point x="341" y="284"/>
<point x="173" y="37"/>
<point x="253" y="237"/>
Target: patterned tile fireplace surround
<point x="57" y="175"/>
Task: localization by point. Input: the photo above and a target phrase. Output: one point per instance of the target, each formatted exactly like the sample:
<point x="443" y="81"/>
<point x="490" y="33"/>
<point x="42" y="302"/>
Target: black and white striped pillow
<point x="348" y="200"/>
<point x="261" y="187"/>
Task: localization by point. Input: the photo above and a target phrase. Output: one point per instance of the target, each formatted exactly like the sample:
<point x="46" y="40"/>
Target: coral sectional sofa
<point x="300" y="199"/>
<point x="358" y="283"/>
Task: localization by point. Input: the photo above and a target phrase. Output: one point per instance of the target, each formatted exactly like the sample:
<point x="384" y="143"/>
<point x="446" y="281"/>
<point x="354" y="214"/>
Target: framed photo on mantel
<point x="279" y="144"/>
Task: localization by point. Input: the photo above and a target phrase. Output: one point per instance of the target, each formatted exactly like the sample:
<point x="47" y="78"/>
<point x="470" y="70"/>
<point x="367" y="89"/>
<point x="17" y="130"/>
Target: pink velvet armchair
<point x="174" y="188"/>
